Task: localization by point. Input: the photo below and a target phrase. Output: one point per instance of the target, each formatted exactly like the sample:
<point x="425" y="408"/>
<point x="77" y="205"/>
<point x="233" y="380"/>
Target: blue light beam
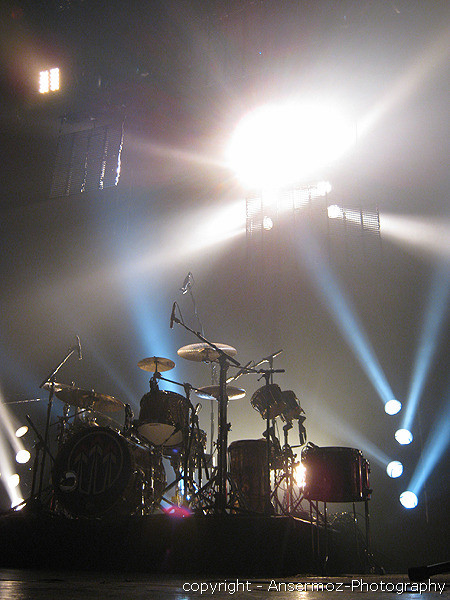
<point x="429" y="338"/>
<point x="344" y="314"/>
<point x="435" y="447"/>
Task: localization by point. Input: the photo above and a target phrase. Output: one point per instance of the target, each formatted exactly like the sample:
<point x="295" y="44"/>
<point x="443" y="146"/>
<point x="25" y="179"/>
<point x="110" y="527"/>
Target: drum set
<point x="102" y="469"/>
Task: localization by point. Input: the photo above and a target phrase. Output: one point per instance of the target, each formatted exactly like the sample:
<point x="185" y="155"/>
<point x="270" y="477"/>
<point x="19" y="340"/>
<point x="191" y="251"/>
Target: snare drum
<point x="163" y="418"/>
<point x="99" y="472"/>
<point x="334" y="474"/>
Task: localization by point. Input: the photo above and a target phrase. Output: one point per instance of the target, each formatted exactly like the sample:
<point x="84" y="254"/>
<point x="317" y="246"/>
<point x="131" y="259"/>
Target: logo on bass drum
<point x="95" y="462"/>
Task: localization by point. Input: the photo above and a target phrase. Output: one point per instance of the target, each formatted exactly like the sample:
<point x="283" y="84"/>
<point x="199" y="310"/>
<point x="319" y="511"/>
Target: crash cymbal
<point x="213" y="391"/>
<point x="204" y="352"/>
<point x="156" y="364"/>
<point x="85" y="398"/>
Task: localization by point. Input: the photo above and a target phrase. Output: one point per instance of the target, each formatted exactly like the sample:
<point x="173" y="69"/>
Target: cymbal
<point x="213" y="391"/>
<point x="85" y="398"/>
<point x="156" y="364"/>
<point x="204" y="352"/>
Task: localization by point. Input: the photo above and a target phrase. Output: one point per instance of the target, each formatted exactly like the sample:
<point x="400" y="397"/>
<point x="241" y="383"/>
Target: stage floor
<point x="42" y="585"/>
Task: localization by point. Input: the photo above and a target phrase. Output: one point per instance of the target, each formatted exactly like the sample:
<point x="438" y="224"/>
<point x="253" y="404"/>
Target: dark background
<point x="108" y="264"/>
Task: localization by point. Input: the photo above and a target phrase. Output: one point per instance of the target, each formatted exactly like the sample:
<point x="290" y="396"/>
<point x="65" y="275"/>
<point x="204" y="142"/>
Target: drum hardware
<point x="222" y="353"/>
<point x="191" y="446"/>
<point x="49" y="383"/>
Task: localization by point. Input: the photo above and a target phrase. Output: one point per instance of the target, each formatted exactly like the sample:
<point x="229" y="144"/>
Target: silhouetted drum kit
<point x="103" y="469"/>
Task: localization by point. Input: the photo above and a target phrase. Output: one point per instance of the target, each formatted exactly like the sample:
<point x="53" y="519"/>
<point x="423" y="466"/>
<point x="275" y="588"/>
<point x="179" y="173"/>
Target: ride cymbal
<point x="156" y="364"/>
<point x="203" y="352"/>
<point x="213" y="391"/>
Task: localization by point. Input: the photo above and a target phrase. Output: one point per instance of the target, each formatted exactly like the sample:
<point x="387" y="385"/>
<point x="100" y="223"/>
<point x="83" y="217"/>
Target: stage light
<point x="13" y="480"/>
<point x="394" y="469"/>
<point x="392" y="407"/>
<point x="267" y="223"/>
<point x="409" y="499"/>
<point x="334" y="211"/>
<point x="403" y="436"/>
<point x="278" y="145"/>
<point x="300" y="475"/>
<point x="23" y="456"/>
<point x="323" y="188"/>
<point x="21" y="431"/>
<point x="49" y="81"/>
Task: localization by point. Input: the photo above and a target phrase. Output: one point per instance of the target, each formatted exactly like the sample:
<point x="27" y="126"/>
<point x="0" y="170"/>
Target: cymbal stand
<point x="221" y="477"/>
<point x="50" y="379"/>
<point x="195" y="429"/>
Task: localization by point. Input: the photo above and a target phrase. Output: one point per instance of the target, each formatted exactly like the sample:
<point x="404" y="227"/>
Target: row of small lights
<point x="394" y="469"/>
<point x="22" y="457"/>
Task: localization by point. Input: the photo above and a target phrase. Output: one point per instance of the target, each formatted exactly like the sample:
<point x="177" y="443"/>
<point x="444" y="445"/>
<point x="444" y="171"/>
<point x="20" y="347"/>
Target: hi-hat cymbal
<point x="213" y="391"/>
<point x="204" y="352"/>
<point x="85" y="398"/>
<point x="156" y="364"/>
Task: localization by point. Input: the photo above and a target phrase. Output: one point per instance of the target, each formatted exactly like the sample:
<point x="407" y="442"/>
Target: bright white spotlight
<point x="278" y="145"/>
<point x="334" y="211"/>
<point x="323" y="188"/>
<point x="13" y="480"/>
<point x="300" y="475"/>
<point x="23" y="456"/>
<point x="409" y="499"/>
<point x="21" y="431"/>
<point x="394" y="469"/>
<point x="49" y="81"/>
<point x="267" y="223"/>
<point x="403" y="436"/>
<point x="392" y="407"/>
<point x="17" y="503"/>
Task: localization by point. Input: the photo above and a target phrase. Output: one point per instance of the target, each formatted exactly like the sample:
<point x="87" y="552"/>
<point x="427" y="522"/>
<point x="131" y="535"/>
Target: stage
<point x="201" y="545"/>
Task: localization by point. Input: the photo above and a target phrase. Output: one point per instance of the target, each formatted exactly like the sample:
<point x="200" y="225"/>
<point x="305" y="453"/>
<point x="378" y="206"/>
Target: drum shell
<point x="248" y="470"/>
<point x="99" y="472"/>
<point x="268" y="401"/>
<point x="163" y="418"/>
<point x="335" y="474"/>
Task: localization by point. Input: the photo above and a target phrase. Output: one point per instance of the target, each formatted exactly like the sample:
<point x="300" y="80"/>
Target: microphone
<point x="186" y="283"/>
<point x="79" y="348"/>
<point x="172" y="316"/>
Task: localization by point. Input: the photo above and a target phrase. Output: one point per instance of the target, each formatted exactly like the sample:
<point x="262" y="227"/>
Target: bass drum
<point x="99" y="472"/>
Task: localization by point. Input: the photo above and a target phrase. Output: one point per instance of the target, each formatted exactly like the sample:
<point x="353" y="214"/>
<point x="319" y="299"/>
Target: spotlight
<point x="334" y="211"/>
<point x="392" y="407"/>
<point x="394" y="469"/>
<point x="300" y="475"/>
<point x="267" y="223"/>
<point x="23" y="456"/>
<point x="403" y="436"/>
<point x="13" y="480"/>
<point x="408" y="499"/>
<point x="323" y="188"/>
<point x="21" y="431"/>
<point x="49" y="81"/>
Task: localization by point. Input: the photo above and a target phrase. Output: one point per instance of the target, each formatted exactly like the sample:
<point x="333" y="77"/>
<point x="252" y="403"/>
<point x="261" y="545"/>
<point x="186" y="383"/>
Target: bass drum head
<point x="92" y="471"/>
